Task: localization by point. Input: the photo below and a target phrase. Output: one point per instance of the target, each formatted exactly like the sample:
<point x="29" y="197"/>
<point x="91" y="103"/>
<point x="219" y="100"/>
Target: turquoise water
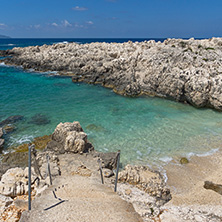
<point x="148" y="130"/>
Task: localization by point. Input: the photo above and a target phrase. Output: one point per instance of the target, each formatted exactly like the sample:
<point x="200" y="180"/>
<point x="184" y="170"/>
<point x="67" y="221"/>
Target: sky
<point x="111" y="18"/>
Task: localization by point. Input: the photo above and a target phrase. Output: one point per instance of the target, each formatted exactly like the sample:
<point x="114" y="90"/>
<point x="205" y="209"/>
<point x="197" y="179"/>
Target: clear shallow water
<point x="148" y="130"/>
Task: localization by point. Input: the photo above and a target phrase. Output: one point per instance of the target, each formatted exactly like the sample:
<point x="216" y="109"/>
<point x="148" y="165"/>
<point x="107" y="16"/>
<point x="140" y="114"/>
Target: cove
<point x="145" y="129"/>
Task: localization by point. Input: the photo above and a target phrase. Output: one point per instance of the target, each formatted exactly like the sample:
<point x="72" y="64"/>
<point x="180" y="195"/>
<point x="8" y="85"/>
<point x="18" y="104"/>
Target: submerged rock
<point x="39" y="142"/>
<point x="184" y="160"/>
<point x="40" y="119"/>
<point x="95" y="127"/>
<point x="11" y="119"/>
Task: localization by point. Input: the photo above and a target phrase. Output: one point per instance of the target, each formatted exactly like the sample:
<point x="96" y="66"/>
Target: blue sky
<point x="111" y="18"/>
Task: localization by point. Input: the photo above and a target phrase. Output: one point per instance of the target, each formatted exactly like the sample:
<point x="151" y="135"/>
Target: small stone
<point x="107" y="172"/>
<point x="184" y="160"/>
<point x="128" y="192"/>
<point x="198" y="218"/>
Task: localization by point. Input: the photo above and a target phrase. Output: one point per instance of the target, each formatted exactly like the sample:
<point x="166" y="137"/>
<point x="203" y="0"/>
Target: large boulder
<point x="69" y="138"/>
<point x="147" y="180"/>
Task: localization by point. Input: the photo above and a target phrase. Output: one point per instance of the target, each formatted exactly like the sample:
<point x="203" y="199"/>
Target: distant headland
<point x="4" y="37"/>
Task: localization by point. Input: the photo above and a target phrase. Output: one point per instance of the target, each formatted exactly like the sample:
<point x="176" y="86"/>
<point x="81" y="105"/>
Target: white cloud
<point x="37" y="26"/>
<point x="90" y="22"/>
<point x="77" y="8"/>
<point x="66" y="23"/>
<point x="2" y="25"/>
<point x="55" y="24"/>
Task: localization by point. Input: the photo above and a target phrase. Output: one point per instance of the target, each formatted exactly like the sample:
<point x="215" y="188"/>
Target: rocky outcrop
<point x="182" y="70"/>
<point x="69" y="138"/>
<point x="147" y="180"/>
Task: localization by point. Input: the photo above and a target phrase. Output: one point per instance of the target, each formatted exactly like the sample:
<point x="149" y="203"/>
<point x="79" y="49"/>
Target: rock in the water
<point x="39" y="119"/>
<point x="95" y="127"/>
<point x="147" y="180"/>
<point x="184" y="160"/>
<point x="9" y="128"/>
<point x="11" y="119"/>
<point x="69" y="137"/>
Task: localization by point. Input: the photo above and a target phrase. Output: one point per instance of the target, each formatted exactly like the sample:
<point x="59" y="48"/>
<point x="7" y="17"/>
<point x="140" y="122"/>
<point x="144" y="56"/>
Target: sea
<point x="147" y="130"/>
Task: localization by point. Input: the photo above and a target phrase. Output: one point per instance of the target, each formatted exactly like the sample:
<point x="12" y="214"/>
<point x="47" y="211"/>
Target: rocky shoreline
<point x="73" y="158"/>
<point x="187" y="71"/>
<point x="70" y="142"/>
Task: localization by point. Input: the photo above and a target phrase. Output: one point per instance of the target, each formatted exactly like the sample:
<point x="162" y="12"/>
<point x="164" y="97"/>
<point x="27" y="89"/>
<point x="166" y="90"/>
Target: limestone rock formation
<point x="183" y="70"/>
<point x="69" y="137"/>
<point x="14" y="182"/>
<point x="147" y="180"/>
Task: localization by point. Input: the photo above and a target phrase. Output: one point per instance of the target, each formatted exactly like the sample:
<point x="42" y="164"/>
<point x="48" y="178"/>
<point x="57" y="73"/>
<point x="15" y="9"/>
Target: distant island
<point x="4" y="37"/>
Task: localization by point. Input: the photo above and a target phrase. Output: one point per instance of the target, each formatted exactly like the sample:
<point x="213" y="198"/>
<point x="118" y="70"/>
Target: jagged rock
<point x="69" y="137"/>
<point x="15" y="182"/>
<point x="11" y="119"/>
<point x="60" y="133"/>
<point x="183" y="70"/>
<point x="147" y="180"/>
